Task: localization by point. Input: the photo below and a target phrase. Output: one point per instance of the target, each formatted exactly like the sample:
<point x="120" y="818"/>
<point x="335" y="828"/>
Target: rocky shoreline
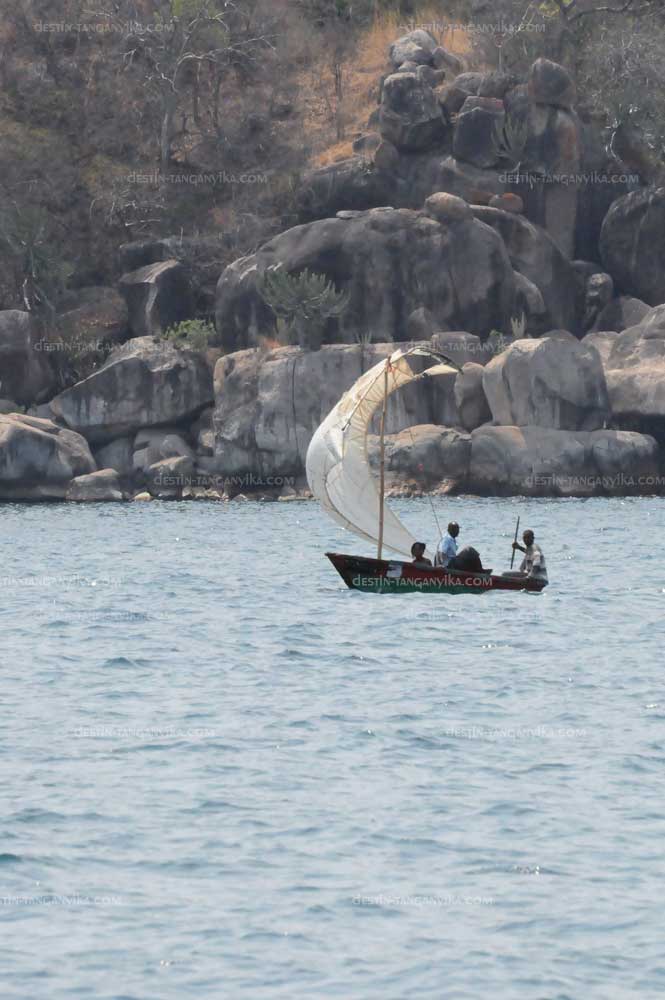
<point x="549" y="296"/>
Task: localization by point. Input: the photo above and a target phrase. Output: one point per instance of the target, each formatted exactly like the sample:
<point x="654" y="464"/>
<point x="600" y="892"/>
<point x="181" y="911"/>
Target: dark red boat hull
<point x="380" y="576"/>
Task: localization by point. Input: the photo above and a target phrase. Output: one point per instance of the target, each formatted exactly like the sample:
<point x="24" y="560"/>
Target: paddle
<point x="517" y="528"/>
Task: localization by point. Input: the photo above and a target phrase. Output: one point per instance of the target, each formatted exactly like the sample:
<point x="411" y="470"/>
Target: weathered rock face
<point x="635" y="371"/>
<point x="454" y="94"/>
<point x="599" y="293"/>
<point x="38" y="459"/>
<point x="26" y="373"/>
<point x="620" y="314"/>
<point x="269" y="405"/>
<point x="96" y="315"/>
<point x="170" y="476"/>
<point x="96" y="487"/>
<point x="411" y="117"/>
<point x="603" y="342"/>
<point x="426" y="455"/>
<point x="351" y="185"/>
<point x="551" y="164"/>
<point x="116" y="455"/>
<point x="536" y="461"/>
<point x="632" y="244"/>
<point x="416" y="47"/>
<point x="157" y="296"/>
<point x="551" y="83"/>
<point x="535" y="255"/>
<point x="391" y="262"/>
<point x="604" y="180"/>
<point x="461" y="347"/>
<point x="470" y="397"/>
<point x="199" y="255"/>
<point x="479" y="122"/>
<point x="151" y="446"/>
<point x="144" y="383"/>
<point x="552" y="383"/>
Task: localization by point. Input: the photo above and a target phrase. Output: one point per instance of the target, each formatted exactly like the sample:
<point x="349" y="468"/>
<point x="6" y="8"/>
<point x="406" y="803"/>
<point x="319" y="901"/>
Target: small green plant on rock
<point x="193" y="334"/>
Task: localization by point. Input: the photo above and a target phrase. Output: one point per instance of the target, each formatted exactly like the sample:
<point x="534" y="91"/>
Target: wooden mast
<point x="382" y="454"/>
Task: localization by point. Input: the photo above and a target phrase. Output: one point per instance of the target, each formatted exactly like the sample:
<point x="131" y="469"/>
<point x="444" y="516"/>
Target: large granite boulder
<point x="155" y="445"/>
<point x="551" y="83"/>
<point x="168" y="478"/>
<point x="144" y="383"/>
<point x="534" y="254"/>
<point x="117" y="455"/>
<point x="550" y="168"/>
<point x="603" y="342"/>
<point x="26" y="372"/>
<point x="38" y="459"/>
<point x="158" y="296"/>
<point x="635" y="371"/>
<point x="416" y="46"/>
<point x="199" y="256"/>
<point x="391" y="262"/>
<point x="350" y="185"/>
<point x="475" y="184"/>
<point x="470" y="397"/>
<point x="453" y="95"/>
<point x="632" y="244"/>
<point x="425" y="455"/>
<point x="599" y="292"/>
<point x="620" y="314"/>
<point x="411" y="117"/>
<point x="270" y="404"/>
<point x="553" y="382"/>
<point x="538" y="461"/>
<point x="479" y="124"/>
<point x="94" y="317"/>
<point x="95" y="487"/>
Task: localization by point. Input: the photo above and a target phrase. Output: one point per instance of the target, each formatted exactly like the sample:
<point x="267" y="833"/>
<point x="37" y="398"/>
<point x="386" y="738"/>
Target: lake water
<point x="225" y="775"/>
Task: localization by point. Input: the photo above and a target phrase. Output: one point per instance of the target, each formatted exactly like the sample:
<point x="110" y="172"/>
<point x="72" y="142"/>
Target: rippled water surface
<point x="225" y="775"/>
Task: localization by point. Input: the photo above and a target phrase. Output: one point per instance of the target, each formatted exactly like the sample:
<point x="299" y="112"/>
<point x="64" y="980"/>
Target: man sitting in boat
<point x="447" y="547"/>
<point x="447" y="556"/>
<point x="420" y="560"/>
<point x="533" y="563"/>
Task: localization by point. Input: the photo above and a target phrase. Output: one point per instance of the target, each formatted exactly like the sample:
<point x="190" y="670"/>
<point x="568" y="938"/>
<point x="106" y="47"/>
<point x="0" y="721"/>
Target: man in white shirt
<point x="447" y="548"/>
<point x="533" y="563"/>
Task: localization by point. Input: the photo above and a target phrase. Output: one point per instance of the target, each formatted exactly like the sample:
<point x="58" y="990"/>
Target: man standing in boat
<point x="447" y="548"/>
<point x="533" y="563"/>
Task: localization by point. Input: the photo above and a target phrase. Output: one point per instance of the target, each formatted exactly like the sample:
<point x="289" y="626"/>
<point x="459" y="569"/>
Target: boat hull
<point x="381" y="576"/>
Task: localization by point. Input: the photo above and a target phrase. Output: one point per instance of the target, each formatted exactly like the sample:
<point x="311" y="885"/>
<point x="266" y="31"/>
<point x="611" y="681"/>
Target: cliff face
<point x="457" y="223"/>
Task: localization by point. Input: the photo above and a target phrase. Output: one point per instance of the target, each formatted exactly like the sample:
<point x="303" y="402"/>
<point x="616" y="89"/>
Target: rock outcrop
<point x="470" y="397"/>
<point x="538" y="461"/>
<point x="425" y="455"/>
<point x="635" y="372"/>
<point x="26" y="373"/>
<point x="38" y="459"/>
<point x="158" y="296"/>
<point x="534" y="254"/>
<point x="97" y="487"/>
<point x="144" y="383"/>
<point x="270" y="404"/>
<point x="391" y="262"/>
<point x="552" y="383"/>
<point x="632" y="245"/>
<point x="411" y="117"/>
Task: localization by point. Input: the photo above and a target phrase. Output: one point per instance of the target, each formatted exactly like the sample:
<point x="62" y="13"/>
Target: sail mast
<point x="382" y="474"/>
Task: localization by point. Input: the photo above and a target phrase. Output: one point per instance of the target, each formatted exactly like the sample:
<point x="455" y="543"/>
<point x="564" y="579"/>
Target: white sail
<point x="338" y="470"/>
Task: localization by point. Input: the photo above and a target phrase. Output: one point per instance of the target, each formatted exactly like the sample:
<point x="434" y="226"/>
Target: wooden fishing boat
<point x="339" y="476"/>
<point x="378" y="576"/>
